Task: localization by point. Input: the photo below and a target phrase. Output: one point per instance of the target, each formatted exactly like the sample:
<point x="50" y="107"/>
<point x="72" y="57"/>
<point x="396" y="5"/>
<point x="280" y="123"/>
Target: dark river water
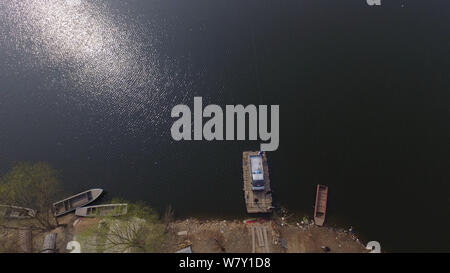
<point x="364" y="95"/>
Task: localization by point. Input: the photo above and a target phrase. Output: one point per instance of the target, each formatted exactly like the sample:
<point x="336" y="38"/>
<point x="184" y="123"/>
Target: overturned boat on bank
<point x="14" y="212"/>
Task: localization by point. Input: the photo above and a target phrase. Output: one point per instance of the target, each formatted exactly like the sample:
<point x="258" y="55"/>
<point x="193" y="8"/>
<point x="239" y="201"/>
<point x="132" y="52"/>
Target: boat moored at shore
<point x="102" y="210"/>
<point x="258" y="197"/>
<point x="320" y="209"/>
<point x="72" y="203"/>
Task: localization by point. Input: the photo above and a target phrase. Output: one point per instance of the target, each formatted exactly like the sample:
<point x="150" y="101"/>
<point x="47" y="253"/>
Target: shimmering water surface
<point x="363" y="91"/>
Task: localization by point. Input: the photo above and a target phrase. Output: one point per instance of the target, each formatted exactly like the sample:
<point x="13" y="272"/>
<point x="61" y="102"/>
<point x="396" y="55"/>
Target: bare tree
<point x="168" y="217"/>
<point x="138" y="231"/>
<point x="34" y="186"/>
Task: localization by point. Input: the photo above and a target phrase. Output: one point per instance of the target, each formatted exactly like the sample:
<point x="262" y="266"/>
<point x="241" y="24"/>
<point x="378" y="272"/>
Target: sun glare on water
<point x="104" y="54"/>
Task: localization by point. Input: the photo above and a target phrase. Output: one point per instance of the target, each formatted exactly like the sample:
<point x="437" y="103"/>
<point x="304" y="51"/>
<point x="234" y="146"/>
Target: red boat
<point x="320" y="209"/>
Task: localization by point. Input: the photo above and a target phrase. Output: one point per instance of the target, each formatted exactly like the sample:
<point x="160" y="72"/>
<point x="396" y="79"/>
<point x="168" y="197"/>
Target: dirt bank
<point x="236" y="237"/>
<point x="221" y="236"/>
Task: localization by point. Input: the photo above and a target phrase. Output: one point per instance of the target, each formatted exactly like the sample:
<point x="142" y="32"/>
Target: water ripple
<point x="103" y="58"/>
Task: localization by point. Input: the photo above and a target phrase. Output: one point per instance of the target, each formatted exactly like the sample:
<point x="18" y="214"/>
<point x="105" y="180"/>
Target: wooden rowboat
<point x="13" y="212"/>
<point x="320" y="209"/>
<point x="102" y="210"/>
<point x="72" y="203"/>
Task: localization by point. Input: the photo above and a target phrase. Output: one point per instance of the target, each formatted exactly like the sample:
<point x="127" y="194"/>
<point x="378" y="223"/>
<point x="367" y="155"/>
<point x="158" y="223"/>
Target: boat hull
<point x="102" y="210"/>
<point x="14" y="212"/>
<point x="320" y="208"/>
<point x="70" y="204"/>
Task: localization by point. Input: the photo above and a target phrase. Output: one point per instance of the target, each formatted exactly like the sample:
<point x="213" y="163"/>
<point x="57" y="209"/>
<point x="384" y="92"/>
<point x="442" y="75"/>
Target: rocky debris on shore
<point x="230" y="236"/>
<point x="234" y="237"/>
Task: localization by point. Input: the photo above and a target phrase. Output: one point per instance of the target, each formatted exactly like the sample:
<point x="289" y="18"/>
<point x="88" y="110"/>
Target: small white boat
<point x="72" y="203"/>
<point x="257" y="172"/>
<point x="14" y="212"/>
<point x="102" y="210"/>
